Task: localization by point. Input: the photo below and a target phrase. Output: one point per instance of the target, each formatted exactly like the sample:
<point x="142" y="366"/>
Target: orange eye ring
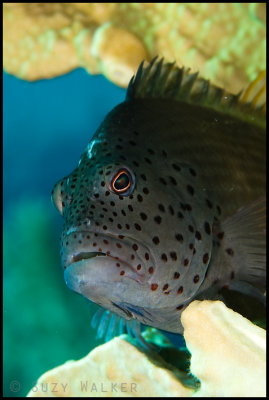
<point x="120" y="179"/>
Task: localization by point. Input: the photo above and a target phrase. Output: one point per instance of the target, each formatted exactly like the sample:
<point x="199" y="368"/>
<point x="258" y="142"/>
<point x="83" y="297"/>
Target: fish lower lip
<point x="85" y="255"/>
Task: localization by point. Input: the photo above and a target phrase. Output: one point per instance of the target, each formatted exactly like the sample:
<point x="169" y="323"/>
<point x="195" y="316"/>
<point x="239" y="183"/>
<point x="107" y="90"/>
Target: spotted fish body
<point x="151" y="212"/>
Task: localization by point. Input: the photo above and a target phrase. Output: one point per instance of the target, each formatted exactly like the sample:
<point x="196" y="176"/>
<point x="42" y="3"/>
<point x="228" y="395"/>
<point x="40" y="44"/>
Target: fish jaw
<point x="97" y="278"/>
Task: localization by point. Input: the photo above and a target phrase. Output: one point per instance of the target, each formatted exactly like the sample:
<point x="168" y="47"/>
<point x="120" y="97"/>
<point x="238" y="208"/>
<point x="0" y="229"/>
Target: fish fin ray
<point x="163" y="80"/>
<point x="244" y="243"/>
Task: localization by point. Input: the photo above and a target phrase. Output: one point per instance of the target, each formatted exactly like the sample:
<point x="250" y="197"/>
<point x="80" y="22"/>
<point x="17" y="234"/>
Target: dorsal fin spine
<point x="160" y="80"/>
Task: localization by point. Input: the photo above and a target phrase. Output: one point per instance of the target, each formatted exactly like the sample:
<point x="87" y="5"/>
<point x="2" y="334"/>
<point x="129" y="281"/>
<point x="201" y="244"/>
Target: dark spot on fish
<point x="118" y="264"/>
<point x="135" y="247"/>
<point x="151" y="151"/>
<point x="207" y="228"/>
<point x="143" y="216"/>
<point x="165" y="287"/>
<point x="158" y="219"/>
<point x="176" y="275"/>
<point x="115" y="214"/>
<point x="205" y="258"/>
<point x="220" y="235"/>
<point x="123" y="213"/>
<point x="218" y="209"/>
<point x="196" y="279"/>
<point x="198" y="235"/>
<point x="180" y="290"/>
<point x="139" y="198"/>
<point x="183" y="206"/>
<point x="122" y="273"/>
<point x="173" y="255"/>
<point x="191" y="228"/>
<point x="138" y="267"/>
<point x="151" y="270"/>
<point x="209" y="204"/>
<point x="147" y="160"/>
<point x="110" y="219"/>
<point x="164" y="153"/>
<point x="164" y="257"/>
<point x="186" y="262"/>
<point x="103" y="183"/>
<point x="105" y="241"/>
<point x="96" y="195"/>
<point x="161" y="207"/>
<point x="112" y="203"/>
<point x="145" y="190"/>
<point x="130" y="207"/>
<point x="232" y="275"/>
<point x="172" y="180"/>
<point x="119" y="245"/>
<point x="191" y="246"/>
<point x="180" y="215"/>
<point x="143" y="177"/>
<point x="192" y="171"/>
<point x="190" y="190"/>
<point x="171" y="210"/>
<point x="132" y="142"/>
<point x="156" y="240"/>
<point x="119" y="226"/>
<point x="180" y="307"/>
<point x="163" y="181"/>
<point x="154" y="286"/>
<point x="188" y="207"/>
<point x="176" y="167"/>
<point x="230" y="252"/>
<point x="137" y="227"/>
<point x="105" y="227"/>
<point x="146" y="256"/>
<point x="215" y="281"/>
<point x="179" y="237"/>
<point x="127" y="226"/>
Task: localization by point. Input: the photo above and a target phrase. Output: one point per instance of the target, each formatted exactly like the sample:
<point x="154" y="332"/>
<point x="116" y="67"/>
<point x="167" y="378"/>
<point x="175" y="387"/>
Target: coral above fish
<point x="167" y="203"/>
<point x="228" y="356"/>
<point x="224" y="41"/>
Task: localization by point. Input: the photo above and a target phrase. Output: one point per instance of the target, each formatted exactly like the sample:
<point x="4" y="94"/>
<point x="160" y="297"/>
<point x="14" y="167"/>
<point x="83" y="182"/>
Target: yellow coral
<point x="224" y="41"/>
<point x="228" y="357"/>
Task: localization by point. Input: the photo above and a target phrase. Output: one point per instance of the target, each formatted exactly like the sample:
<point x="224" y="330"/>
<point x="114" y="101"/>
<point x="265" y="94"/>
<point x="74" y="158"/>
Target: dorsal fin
<point x="162" y="80"/>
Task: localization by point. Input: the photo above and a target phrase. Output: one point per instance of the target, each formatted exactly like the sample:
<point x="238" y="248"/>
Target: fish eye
<point x="122" y="182"/>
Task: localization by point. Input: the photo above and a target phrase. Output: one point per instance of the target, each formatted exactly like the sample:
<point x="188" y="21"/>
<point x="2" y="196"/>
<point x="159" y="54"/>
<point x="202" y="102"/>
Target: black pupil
<point x="122" y="181"/>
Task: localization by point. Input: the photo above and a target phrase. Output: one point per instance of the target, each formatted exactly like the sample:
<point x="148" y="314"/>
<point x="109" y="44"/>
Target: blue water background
<point x="47" y="124"/>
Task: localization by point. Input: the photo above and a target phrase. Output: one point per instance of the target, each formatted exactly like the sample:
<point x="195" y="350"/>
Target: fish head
<point x="131" y="241"/>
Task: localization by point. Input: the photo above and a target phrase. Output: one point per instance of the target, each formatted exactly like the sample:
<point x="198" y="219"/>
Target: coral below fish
<point x="228" y="357"/>
<point x="224" y="41"/>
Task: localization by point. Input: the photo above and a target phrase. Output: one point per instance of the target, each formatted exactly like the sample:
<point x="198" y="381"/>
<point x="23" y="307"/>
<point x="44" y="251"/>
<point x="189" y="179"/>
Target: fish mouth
<point x="85" y="255"/>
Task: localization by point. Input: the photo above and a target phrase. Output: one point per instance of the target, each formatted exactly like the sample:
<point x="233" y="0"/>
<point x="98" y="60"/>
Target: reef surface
<point x="224" y="41"/>
<point x="228" y="356"/>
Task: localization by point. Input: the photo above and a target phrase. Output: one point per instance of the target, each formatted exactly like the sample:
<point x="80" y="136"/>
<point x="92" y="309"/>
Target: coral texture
<point x="224" y="41"/>
<point x="228" y="357"/>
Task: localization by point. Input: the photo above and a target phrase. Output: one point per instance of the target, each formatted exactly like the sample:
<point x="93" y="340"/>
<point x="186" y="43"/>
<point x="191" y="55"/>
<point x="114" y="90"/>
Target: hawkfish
<point x="167" y="203"/>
